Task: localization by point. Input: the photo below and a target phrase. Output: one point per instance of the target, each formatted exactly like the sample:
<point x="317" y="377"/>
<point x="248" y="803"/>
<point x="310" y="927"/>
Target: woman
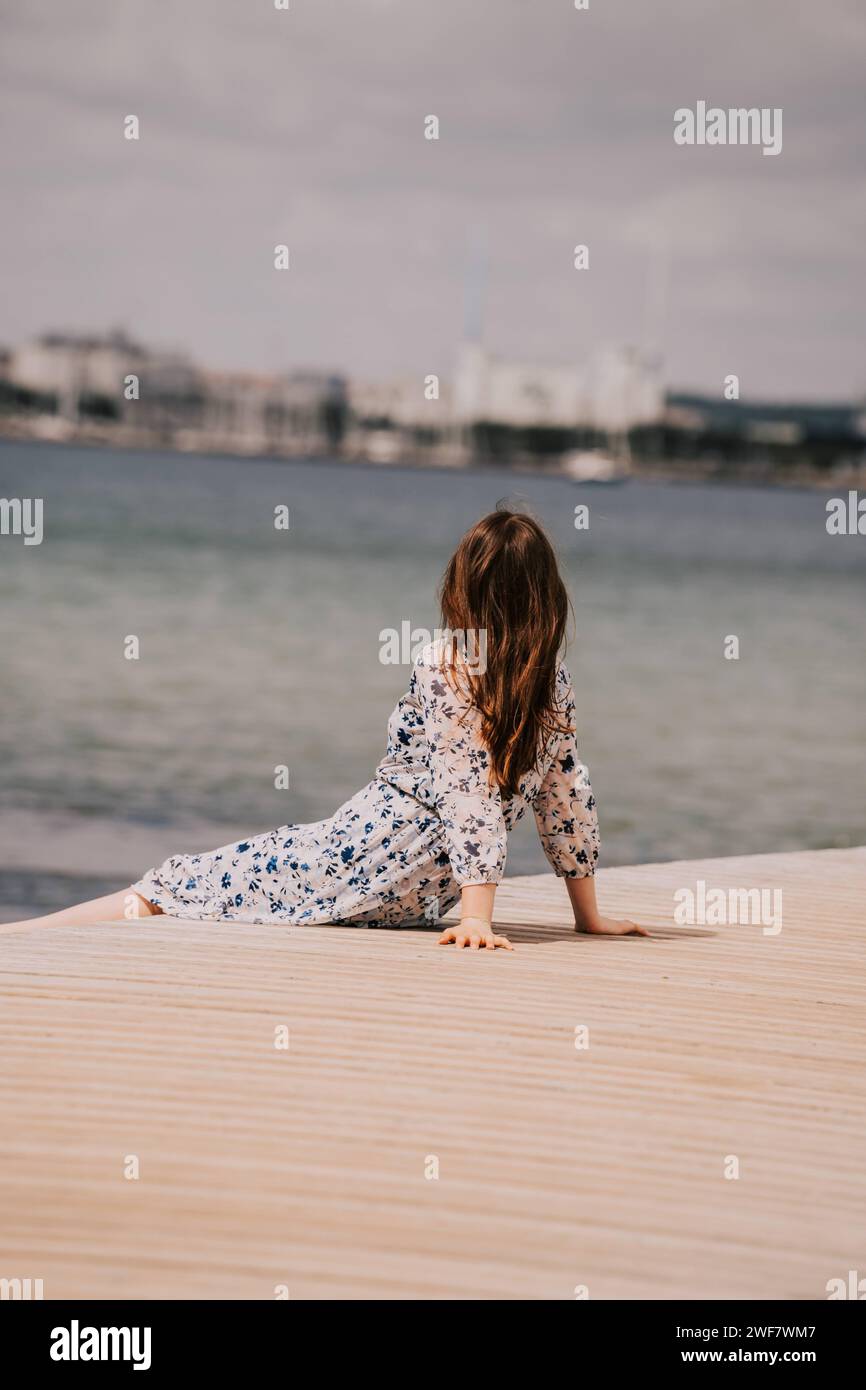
<point x="471" y="744"/>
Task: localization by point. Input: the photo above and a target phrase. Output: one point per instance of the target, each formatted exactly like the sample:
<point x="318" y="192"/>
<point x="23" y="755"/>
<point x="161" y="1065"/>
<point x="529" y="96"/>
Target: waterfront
<point x="261" y="648"/>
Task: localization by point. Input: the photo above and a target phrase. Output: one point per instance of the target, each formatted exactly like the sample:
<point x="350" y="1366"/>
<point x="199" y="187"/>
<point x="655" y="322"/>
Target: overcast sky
<point x="556" y="127"/>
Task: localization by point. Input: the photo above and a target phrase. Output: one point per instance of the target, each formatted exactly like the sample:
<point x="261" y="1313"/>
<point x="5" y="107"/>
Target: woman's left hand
<point x="611" y="926"/>
<point x="475" y="937"/>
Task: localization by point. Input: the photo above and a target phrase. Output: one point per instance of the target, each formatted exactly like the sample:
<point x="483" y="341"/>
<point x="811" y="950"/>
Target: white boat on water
<point x="593" y="466"/>
<point x="382" y="446"/>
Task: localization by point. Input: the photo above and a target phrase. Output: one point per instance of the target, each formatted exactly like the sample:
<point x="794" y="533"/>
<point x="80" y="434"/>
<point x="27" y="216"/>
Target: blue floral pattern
<point x="398" y="853"/>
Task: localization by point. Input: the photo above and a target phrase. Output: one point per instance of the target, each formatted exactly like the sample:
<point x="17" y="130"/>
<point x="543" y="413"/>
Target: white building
<point x="621" y="388"/>
<point x="625" y="390"/>
<point x="517" y="394"/>
<point x="69" y="366"/>
<point x="405" y="401"/>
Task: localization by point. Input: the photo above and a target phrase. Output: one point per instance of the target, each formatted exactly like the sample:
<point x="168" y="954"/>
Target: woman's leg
<point x="128" y="904"/>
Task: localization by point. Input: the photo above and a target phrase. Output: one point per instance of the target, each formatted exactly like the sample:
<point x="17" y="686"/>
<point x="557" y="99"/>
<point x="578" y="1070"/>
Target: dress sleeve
<point x="564" y="805"/>
<point x="469" y="808"/>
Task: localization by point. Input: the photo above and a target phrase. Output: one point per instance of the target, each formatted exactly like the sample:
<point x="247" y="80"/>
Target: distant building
<point x="625" y="391"/>
<point x="406" y="418"/>
<point x="76" y="370"/>
<point x="170" y="397"/>
<point x="517" y="394"/>
<point x="770" y="432"/>
<point x="301" y="412"/>
<point x="162" y="397"/>
<point x="511" y="407"/>
<point x="619" y="389"/>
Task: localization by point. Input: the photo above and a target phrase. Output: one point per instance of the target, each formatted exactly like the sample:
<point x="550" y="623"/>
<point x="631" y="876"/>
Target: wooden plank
<point x="558" y="1167"/>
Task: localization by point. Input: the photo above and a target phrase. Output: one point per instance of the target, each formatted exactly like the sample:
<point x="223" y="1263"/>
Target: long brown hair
<point x="503" y="581"/>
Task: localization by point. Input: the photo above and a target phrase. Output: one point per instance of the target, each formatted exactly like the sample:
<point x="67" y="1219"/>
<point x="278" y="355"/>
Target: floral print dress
<point x="397" y="853"/>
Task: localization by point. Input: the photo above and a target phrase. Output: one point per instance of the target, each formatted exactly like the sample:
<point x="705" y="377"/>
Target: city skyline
<point x="726" y="261"/>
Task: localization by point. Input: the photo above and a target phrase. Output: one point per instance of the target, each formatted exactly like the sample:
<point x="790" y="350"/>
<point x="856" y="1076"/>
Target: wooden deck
<point x="557" y="1167"/>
